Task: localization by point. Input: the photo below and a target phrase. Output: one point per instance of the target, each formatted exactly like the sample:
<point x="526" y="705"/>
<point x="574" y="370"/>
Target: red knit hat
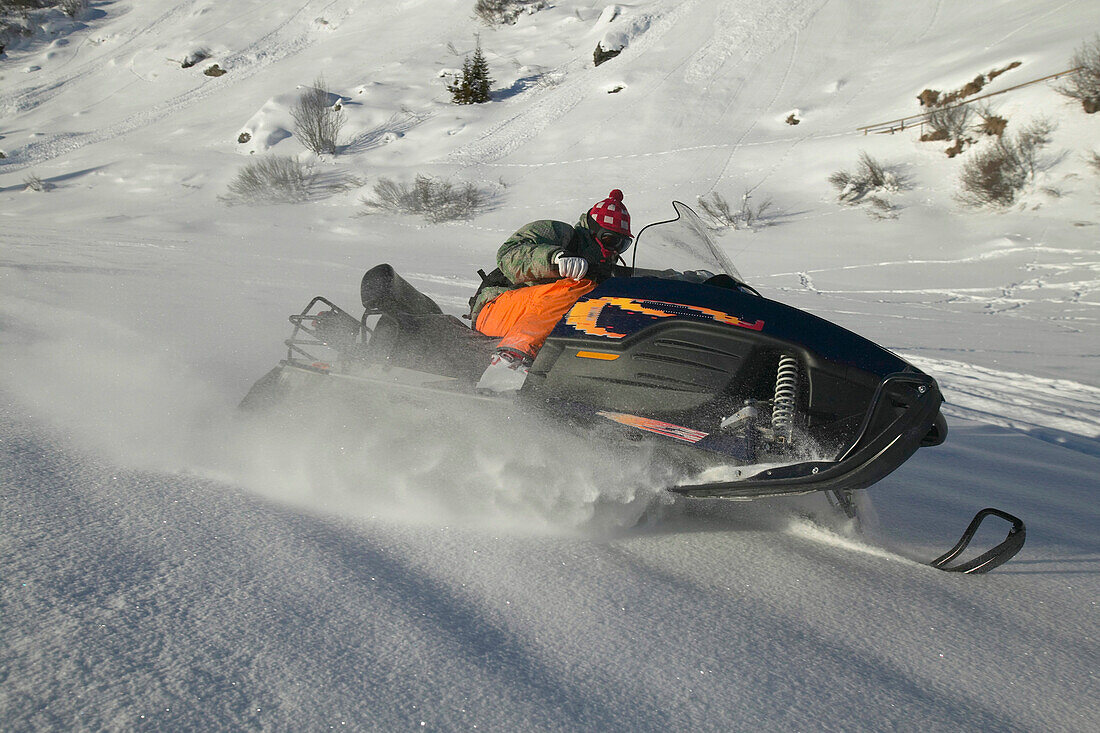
<point x="611" y="214"/>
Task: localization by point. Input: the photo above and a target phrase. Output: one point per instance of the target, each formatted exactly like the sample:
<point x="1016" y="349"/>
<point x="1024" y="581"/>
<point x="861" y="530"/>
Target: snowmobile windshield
<point x="682" y="246"/>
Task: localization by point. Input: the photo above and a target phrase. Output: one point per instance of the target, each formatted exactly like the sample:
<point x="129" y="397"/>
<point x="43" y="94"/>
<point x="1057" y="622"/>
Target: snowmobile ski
<point x="993" y="557"/>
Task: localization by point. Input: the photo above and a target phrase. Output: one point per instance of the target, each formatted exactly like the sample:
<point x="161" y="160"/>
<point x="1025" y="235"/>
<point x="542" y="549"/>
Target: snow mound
<point x="273" y="122"/>
<point x="618" y="31"/>
<point x="270" y="125"/>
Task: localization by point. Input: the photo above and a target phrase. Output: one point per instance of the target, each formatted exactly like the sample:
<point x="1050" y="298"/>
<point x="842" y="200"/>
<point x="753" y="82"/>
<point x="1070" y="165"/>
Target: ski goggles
<point x="614" y="241"/>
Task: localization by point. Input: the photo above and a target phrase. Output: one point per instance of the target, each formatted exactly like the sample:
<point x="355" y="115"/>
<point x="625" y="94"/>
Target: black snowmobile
<point x="747" y="396"/>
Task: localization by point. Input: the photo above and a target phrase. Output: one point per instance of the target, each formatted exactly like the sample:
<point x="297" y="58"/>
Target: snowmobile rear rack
<point x="334" y="328"/>
<point x="990" y="559"/>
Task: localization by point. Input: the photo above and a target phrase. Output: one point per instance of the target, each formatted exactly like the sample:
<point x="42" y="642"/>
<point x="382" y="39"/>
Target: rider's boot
<point x="506" y="372"/>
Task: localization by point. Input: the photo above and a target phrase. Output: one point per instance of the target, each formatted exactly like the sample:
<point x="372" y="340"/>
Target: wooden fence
<point x="919" y="119"/>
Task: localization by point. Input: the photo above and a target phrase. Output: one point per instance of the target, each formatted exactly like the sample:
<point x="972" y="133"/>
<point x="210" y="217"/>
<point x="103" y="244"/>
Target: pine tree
<point x="479" y="77"/>
<point x="460" y="89"/>
<point x="472" y="87"/>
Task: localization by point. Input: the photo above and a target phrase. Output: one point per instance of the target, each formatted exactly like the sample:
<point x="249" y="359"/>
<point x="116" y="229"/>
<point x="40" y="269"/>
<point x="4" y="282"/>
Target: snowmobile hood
<point x="621" y="307"/>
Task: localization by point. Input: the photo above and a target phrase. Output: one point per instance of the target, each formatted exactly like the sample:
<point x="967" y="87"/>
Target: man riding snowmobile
<point x="543" y="269"/>
<point x="736" y="395"/>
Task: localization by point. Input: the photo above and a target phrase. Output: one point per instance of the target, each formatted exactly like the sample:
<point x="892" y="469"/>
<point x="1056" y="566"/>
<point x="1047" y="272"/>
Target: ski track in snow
<point x="658" y="153"/>
<point x="467" y="284"/>
<point x="276" y="45"/>
<point x="36" y="95"/>
<point x="902" y="30"/>
<point x="532" y="119"/>
<point x="1058" y="411"/>
<point x="1031" y="22"/>
<point x="537" y="114"/>
<point x="1072" y="280"/>
<point x="747" y="31"/>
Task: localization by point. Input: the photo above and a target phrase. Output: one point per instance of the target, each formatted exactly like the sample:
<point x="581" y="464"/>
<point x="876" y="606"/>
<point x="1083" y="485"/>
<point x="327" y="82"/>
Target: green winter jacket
<point x="527" y="258"/>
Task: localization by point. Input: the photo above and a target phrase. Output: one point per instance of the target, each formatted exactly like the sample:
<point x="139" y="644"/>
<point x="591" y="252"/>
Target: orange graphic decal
<point x="679" y="432"/>
<point x="584" y="314"/>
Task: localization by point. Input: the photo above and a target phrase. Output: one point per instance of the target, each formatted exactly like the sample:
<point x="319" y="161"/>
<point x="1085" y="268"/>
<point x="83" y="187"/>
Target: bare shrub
<point x="748" y="216"/>
<point x="881" y="208"/>
<point x="1093" y="159"/>
<point x="505" y="12"/>
<point x="716" y="206"/>
<point x="73" y="8"/>
<point x="995" y="174"/>
<point x="282" y="179"/>
<point x="990" y="178"/>
<point x="950" y="122"/>
<point x="14" y="18"/>
<point x="997" y="72"/>
<point x="34" y="183"/>
<point x="275" y="179"/>
<point x="972" y="87"/>
<point x="936" y="98"/>
<point x="435" y="199"/>
<point x="870" y="175"/>
<point x="195" y="56"/>
<point x="1028" y="144"/>
<point x="1084" y="85"/>
<point x="929" y="97"/>
<point x="992" y="123"/>
<point x="316" y="123"/>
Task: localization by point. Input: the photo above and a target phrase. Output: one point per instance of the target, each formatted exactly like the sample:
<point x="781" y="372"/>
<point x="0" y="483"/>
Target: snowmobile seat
<point x="436" y="343"/>
<point x="384" y="291"/>
<point x="413" y="332"/>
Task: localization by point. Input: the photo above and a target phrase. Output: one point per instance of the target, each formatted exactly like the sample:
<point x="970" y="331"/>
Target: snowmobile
<point x="747" y="396"/>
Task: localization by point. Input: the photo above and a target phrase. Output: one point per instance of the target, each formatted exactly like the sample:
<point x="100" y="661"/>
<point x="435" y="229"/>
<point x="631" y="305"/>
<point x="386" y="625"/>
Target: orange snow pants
<point x="524" y="317"/>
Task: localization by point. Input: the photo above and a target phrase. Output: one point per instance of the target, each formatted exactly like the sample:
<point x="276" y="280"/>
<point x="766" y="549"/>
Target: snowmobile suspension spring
<point x="786" y="390"/>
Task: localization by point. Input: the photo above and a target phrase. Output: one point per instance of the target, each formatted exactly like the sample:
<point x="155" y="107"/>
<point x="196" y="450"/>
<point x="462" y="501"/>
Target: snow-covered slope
<point x="167" y="564"/>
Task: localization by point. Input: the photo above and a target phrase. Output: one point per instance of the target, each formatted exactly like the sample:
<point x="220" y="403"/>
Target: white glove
<point x="571" y="267"/>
